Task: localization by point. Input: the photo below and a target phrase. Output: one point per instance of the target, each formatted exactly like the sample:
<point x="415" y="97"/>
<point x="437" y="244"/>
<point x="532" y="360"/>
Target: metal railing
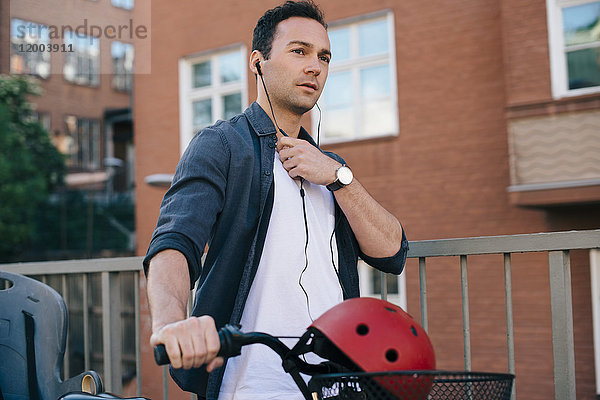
<point x="557" y="245"/>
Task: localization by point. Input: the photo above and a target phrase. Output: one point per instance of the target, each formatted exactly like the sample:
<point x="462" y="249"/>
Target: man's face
<point x="298" y="64"/>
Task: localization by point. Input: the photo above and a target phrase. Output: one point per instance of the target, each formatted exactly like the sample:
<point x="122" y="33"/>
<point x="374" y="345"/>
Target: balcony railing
<point x="117" y="325"/>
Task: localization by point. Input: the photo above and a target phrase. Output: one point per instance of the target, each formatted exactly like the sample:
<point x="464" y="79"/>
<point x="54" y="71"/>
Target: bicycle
<point x="342" y="378"/>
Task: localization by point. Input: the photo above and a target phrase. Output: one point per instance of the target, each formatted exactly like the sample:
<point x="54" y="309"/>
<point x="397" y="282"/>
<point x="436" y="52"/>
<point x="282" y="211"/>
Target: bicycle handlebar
<point x="232" y="340"/>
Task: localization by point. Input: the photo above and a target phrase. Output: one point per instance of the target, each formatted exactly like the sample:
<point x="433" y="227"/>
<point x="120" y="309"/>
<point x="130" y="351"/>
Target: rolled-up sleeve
<point x="393" y="264"/>
<point x="192" y="204"/>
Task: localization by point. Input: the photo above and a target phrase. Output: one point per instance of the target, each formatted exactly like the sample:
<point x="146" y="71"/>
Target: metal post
<point x="65" y="296"/>
<point x="138" y="333"/>
<point x="465" y="310"/>
<point x="562" y="325"/>
<point x="510" y="338"/>
<point x="86" y="323"/>
<point x="423" y="287"/>
<point x="111" y="331"/>
<point x="383" y="283"/>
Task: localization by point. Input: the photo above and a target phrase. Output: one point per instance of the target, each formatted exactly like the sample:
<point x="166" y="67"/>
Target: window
<point x="574" y="36"/>
<point x="212" y="87"/>
<point x="360" y="98"/>
<point x="122" y="57"/>
<point x="29" y="43"/>
<point x="82" y="142"/>
<point x="126" y="4"/>
<point x="82" y="65"/>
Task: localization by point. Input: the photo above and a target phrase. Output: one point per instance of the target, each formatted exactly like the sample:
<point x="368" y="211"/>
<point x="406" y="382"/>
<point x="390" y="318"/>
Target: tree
<point x="30" y="166"/>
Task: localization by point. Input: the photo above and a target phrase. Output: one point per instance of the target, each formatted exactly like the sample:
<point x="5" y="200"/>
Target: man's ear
<point x="256" y="59"/>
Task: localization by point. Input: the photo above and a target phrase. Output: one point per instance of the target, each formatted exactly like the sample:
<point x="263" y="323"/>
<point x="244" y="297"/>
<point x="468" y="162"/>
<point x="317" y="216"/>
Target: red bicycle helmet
<point x="378" y="336"/>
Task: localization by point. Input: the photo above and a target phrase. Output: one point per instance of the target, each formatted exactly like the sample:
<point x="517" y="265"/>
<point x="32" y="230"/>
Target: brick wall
<point x="526" y="54"/>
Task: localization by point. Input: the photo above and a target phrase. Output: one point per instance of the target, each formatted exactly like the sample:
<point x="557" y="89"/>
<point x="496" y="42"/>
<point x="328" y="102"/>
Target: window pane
<point x="70" y="141"/>
<point x="373" y="38"/>
<point x="82" y="66"/>
<point x="202" y="113"/>
<point x="375" y="82"/>
<point x="127" y="4"/>
<point x="582" y="23"/>
<point x="378" y="114"/>
<point x="81" y="143"/>
<point x="338" y="89"/>
<point x="338" y="123"/>
<point x="230" y="67"/>
<point x="201" y="74"/>
<point x="94" y="138"/>
<point x="232" y="105"/>
<point x="122" y="56"/>
<point x="22" y="60"/>
<point x="340" y="44"/>
<point x="584" y="68"/>
<point x="338" y="119"/>
<point x="378" y="118"/>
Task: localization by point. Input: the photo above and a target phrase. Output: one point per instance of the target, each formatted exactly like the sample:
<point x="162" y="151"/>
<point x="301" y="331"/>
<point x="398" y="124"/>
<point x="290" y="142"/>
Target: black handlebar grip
<point x="160" y="355"/>
<point x="162" y="358"/>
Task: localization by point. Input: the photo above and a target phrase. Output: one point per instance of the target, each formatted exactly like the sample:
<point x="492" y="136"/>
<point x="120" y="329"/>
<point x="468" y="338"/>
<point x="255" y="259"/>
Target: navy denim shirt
<point x="222" y="195"/>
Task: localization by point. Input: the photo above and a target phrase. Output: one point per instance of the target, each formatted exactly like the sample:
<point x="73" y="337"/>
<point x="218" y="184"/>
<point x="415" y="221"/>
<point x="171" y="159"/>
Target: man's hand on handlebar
<point x="190" y="343"/>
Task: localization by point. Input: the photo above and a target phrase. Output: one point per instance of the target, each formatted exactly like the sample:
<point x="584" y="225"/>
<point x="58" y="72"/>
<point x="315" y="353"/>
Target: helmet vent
<point x="413" y="330"/>
<point x="391" y="355"/>
<point x="362" y="329"/>
<point x="390" y="309"/>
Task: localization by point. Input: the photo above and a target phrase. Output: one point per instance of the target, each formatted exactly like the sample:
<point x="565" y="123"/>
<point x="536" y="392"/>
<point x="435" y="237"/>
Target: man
<point x="285" y="223"/>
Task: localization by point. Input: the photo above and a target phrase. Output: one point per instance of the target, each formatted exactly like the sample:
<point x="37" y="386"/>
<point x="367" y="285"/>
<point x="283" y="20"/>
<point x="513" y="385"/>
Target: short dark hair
<point x="264" y="31"/>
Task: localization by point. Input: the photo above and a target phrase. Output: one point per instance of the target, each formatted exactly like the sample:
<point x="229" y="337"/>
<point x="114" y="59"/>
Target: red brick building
<point x="463" y="118"/>
<point x="86" y="75"/>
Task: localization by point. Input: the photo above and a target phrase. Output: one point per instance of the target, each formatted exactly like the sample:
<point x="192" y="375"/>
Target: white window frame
<point x="365" y="274"/>
<point x="558" y="61"/>
<point x="188" y="94"/>
<point x="355" y="64"/>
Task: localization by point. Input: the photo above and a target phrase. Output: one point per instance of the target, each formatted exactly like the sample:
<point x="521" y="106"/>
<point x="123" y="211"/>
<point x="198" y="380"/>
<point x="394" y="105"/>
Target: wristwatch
<point x="344" y="177"/>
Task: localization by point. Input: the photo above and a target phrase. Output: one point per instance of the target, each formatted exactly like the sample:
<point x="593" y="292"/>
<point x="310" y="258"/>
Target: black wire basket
<point x="412" y="385"/>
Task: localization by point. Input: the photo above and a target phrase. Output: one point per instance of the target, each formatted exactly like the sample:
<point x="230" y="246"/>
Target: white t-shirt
<point x="276" y="303"/>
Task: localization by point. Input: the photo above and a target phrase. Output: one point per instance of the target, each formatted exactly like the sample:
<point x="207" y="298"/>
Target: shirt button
<point x="267" y="173"/>
<point x="271" y="145"/>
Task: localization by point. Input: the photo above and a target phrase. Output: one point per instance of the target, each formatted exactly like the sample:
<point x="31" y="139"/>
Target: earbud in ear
<point x="257" y="65"/>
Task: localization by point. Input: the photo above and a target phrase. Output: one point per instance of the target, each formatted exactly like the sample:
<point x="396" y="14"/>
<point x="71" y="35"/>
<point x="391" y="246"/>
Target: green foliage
<point x="30" y="166"/>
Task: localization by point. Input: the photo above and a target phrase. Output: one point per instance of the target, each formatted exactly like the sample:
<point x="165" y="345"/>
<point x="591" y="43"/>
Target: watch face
<point x="344" y="174"/>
